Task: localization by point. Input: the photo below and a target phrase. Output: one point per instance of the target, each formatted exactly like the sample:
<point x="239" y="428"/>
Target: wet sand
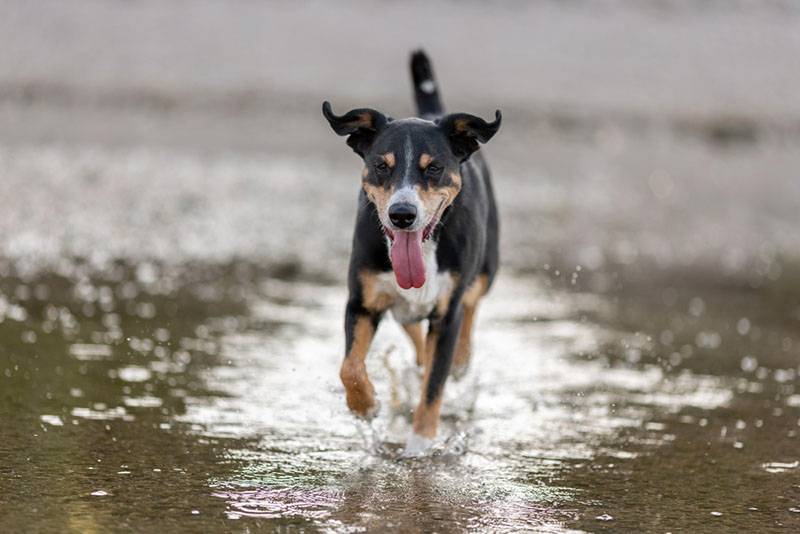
<point x="173" y="246"/>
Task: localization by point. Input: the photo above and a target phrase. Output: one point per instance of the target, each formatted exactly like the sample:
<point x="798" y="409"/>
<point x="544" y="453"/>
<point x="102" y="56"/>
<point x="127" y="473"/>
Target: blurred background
<point x="176" y="224"/>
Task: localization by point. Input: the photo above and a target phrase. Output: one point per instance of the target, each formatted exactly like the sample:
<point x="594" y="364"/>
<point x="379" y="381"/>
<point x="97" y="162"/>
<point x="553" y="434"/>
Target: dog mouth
<point x="426" y="232"/>
<point x="406" y="252"/>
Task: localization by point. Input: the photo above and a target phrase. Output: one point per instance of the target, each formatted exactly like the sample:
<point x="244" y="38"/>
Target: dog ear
<point x="361" y="125"/>
<point x="465" y="131"/>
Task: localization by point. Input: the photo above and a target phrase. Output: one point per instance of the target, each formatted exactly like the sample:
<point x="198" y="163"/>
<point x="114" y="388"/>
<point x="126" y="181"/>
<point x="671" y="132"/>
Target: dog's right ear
<point x="361" y="125"/>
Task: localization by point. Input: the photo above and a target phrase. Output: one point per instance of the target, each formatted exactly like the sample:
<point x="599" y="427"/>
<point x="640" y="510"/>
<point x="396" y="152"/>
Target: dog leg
<point x="359" y="331"/>
<point x="417" y="335"/>
<point x="463" y="352"/>
<point x="442" y="340"/>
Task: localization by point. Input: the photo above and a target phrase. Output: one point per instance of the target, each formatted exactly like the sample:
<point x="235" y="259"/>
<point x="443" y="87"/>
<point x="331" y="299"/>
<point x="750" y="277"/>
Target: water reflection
<point x="89" y="439"/>
<point x="550" y="394"/>
<point x="220" y="399"/>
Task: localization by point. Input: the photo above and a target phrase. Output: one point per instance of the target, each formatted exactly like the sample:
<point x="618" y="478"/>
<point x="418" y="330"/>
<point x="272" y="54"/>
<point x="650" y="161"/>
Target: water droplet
<point x="780" y="467"/>
<point x="134" y="373"/>
<point x="749" y="364"/>
<point x="743" y="326"/>
<point x="697" y="306"/>
<point x="53" y="420"/>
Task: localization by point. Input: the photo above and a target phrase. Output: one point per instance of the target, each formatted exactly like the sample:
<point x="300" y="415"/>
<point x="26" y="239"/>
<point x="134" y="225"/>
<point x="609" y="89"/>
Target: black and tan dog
<point x="425" y="243"/>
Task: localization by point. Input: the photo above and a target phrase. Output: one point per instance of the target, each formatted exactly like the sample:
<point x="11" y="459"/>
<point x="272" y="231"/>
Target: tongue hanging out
<point x="409" y="268"/>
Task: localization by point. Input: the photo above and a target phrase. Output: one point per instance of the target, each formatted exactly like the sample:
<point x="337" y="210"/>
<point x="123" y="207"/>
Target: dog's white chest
<point x="413" y="304"/>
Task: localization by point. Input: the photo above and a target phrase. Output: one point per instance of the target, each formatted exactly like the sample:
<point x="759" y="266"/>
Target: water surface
<point x="144" y="397"/>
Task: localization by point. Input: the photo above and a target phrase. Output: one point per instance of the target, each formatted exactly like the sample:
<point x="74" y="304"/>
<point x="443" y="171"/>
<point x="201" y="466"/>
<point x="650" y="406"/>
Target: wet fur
<point x="466" y="238"/>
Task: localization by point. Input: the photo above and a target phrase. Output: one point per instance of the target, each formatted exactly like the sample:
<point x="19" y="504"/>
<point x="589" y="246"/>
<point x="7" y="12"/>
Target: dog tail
<point x="426" y="92"/>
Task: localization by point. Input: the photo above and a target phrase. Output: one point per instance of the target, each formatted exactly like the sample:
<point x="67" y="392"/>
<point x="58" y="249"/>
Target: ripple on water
<point x="134" y="373"/>
<point x="101" y="413"/>
<point x="53" y="420"/>
<point x="90" y="351"/>
<point x="282" y="502"/>
<point x="780" y="467"/>
<point x="528" y="408"/>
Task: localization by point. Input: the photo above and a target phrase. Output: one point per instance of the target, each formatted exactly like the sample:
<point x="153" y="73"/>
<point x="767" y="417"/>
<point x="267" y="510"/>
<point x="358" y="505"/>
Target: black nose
<point x="402" y="214"/>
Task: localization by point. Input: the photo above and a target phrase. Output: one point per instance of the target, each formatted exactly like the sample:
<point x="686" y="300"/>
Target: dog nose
<point x="402" y="214"/>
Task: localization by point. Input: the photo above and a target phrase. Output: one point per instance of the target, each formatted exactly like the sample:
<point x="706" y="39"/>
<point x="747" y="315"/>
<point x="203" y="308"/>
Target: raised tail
<point x="426" y="91"/>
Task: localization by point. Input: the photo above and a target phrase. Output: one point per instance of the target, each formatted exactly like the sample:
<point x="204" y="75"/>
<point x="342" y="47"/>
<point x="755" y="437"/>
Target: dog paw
<point x="416" y="446"/>
<point x="372" y="411"/>
<point x="459" y="371"/>
<point x="365" y="408"/>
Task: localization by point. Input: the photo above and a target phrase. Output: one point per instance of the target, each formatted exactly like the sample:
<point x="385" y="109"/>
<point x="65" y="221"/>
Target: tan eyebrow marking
<point x="389" y="159"/>
<point x="425" y="160"/>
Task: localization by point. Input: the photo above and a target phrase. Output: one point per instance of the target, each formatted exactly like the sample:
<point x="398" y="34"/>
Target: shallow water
<point x="207" y="397"/>
<point x="173" y="247"/>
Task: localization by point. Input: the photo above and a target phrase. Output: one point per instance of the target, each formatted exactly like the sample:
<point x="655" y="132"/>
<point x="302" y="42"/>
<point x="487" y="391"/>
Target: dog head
<point x="411" y="166"/>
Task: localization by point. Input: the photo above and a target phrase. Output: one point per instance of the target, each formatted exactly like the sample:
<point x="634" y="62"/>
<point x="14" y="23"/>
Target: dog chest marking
<point x="381" y="291"/>
<point x="413" y="304"/>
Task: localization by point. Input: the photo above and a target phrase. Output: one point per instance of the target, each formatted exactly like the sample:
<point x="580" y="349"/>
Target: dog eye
<point x="433" y="171"/>
<point x="381" y="167"/>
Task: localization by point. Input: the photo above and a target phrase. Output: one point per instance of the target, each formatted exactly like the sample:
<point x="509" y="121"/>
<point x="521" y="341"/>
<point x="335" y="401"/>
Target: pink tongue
<point x="409" y="269"/>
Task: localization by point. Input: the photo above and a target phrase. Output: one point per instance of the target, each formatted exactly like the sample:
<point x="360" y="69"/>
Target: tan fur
<point x="426" y="416"/>
<point x="456" y="178"/>
<point x="364" y="120"/>
<point x="472" y="295"/>
<point x="372" y="298"/>
<point x="353" y="373"/>
<point x="440" y="196"/>
<point x="444" y="300"/>
<point x="417" y="335"/>
<point x="389" y="159"/>
<point x="425" y="160"/>
<point x="476" y="290"/>
<point x="461" y="125"/>
<point x="378" y="195"/>
<point x="430" y="347"/>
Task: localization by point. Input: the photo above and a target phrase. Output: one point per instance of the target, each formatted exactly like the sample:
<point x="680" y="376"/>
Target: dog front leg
<point x="359" y="330"/>
<point x="417" y="335"/>
<point x="442" y="337"/>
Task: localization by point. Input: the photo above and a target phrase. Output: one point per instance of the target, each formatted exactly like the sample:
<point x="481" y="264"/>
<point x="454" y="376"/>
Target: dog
<point x="425" y="245"/>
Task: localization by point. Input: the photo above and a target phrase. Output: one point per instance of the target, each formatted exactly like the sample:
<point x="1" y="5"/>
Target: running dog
<point x="425" y="245"/>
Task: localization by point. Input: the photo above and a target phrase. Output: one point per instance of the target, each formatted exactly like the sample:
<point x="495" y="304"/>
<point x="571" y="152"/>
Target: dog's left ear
<point x="465" y="131"/>
<point x="361" y="125"/>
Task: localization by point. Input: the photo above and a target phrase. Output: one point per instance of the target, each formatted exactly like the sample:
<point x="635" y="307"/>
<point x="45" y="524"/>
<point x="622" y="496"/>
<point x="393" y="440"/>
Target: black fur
<point x="468" y="232"/>
<point x="426" y="92"/>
